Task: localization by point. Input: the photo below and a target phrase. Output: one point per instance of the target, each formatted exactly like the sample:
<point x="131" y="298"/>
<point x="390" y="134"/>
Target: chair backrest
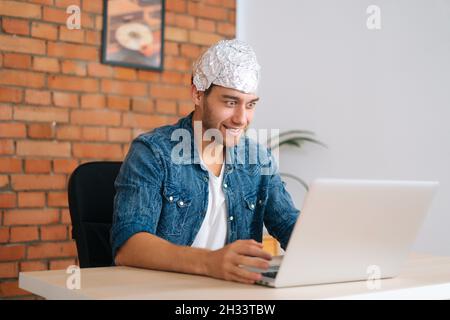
<point x="91" y="197"/>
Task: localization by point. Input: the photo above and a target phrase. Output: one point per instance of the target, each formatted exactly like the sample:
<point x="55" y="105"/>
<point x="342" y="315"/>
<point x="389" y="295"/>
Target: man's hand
<point x="224" y="263"/>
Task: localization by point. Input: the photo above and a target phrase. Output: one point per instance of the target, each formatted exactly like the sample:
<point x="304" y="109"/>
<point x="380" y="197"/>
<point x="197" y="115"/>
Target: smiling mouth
<point x="233" y="131"/>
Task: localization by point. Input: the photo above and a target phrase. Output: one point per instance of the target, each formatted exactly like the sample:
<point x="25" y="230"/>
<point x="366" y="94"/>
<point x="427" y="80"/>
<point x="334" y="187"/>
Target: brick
<point x="190" y="50"/>
<point x="72" y="83"/>
<point x="57" y="199"/>
<point x="93" y="133"/>
<point x="16" y="26"/>
<point x="144" y="121"/>
<point x="22" y="44"/>
<point x="198" y="9"/>
<point x="40" y="131"/>
<point x="68" y="35"/>
<point x="22" y="78"/>
<point x="166" y="106"/>
<point x="95" y="6"/>
<point x="177" y="64"/>
<point x="6" y="146"/>
<point x="203" y="38"/>
<point x="169" y="92"/>
<point x="75" y="68"/>
<point x="65" y="216"/>
<point x="72" y="51"/>
<point x="176" y="5"/>
<point x="11" y="289"/>
<point x="20" y="9"/>
<point x="52" y="250"/>
<point x="118" y="102"/>
<point x="37" y="166"/>
<point x="171" y="48"/>
<point x="65" y="3"/>
<point x="6" y="112"/>
<point x="12" y="252"/>
<point x="226" y="29"/>
<point x="41" y="114"/>
<point x="222" y="3"/>
<point x="9" y="270"/>
<point x="8" y="200"/>
<point x="124" y="73"/>
<point x="25" y="266"/>
<point x="30" y="217"/>
<point x="61" y="264"/>
<point x="10" y="94"/>
<point x="119" y="134"/>
<point x="10" y="165"/>
<point x="38" y="182"/>
<point x="37" y="97"/>
<point x="58" y="232"/>
<point x="55" y="15"/>
<point x="31" y="199"/>
<point x="124" y="87"/>
<point x="12" y="130"/>
<point x="93" y="101"/>
<point x="176" y="34"/>
<point x="64" y="165"/>
<point x="206" y="25"/>
<point x="68" y="133"/>
<point x="24" y="234"/>
<point x="97" y="151"/>
<point x="171" y="77"/>
<point x="4" y="234"/>
<point x="64" y="99"/>
<point x="184" y="21"/>
<point x="4" y="181"/>
<point x="44" y="31"/>
<point x="99" y="70"/>
<point x="43" y="148"/>
<point x="93" y="37"/>
<point x="95" y="117"/>
<point x="143" y="105"/>
<point x="151" y="76"/>
<point x="17" y="60"/>
<point x="46" y="64"/>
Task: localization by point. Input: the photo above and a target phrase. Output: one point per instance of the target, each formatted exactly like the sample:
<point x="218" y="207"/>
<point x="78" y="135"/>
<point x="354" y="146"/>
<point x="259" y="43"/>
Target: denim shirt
<point x="169" y="199"/>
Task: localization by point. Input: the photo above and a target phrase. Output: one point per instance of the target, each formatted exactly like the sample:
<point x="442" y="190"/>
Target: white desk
<point x="423" y="277"/>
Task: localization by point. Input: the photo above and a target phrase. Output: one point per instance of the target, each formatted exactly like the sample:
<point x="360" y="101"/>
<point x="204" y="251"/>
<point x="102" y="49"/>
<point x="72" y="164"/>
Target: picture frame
<point x="133" y="33"/>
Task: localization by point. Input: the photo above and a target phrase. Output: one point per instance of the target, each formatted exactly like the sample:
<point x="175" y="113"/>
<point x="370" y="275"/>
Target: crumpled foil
<point x="228" y="63"/>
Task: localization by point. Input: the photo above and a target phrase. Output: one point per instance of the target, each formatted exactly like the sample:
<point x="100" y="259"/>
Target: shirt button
<point x="181" y="203"/>
<point x="225" y="185"/>
<point x="170" y="198"/>
<point x="205" y="179"/>
<point x="231" y="218"/>
<point x="252" y="206"/>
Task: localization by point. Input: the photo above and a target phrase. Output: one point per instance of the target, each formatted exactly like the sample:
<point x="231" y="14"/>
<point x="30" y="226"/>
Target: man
<point x="203" y="212"/>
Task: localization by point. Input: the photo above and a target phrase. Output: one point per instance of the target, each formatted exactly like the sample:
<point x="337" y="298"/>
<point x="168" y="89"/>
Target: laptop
<point x="349" y="228"/>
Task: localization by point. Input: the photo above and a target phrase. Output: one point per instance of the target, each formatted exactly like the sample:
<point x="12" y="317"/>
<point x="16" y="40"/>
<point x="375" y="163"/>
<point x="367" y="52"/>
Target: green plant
<point x="295" y="138"/>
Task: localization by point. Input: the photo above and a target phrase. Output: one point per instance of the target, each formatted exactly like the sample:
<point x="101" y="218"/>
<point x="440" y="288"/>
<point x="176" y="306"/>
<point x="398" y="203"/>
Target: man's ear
<point x="196" y="95"/>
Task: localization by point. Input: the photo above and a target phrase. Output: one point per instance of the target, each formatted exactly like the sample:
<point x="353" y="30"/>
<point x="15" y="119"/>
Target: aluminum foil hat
<point x="228" y="63"/>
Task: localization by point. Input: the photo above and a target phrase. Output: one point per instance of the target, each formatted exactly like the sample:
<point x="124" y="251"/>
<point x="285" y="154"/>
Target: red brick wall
<point x="59" y="107"/>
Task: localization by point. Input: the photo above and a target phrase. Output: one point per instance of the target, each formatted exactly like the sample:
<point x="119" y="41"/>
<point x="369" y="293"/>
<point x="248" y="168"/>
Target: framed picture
<point x="133" y="33"/>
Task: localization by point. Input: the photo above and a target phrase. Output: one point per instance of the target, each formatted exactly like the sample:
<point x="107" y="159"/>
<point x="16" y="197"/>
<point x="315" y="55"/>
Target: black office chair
<point x="91" y="196"/>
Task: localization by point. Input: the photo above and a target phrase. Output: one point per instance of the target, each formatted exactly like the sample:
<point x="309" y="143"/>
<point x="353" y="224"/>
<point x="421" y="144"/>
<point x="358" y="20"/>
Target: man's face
<point x="228" y="110"/>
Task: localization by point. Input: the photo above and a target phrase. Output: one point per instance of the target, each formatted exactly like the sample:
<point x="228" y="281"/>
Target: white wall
<point x="380" y="99"/>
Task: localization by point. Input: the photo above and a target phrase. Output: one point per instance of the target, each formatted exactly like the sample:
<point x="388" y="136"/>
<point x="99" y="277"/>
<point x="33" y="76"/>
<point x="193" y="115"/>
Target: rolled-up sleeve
<point x="137" y="203"/>
<point x="281" y="214"/>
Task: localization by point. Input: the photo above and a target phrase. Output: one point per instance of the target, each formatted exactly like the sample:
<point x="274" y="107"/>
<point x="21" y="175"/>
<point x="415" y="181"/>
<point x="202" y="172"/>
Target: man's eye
<point x="251" y="105"/>
<point x="231" y="103"/>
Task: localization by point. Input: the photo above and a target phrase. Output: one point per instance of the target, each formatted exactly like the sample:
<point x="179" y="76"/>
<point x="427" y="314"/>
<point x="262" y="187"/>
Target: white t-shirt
<point x="213" y="231"/>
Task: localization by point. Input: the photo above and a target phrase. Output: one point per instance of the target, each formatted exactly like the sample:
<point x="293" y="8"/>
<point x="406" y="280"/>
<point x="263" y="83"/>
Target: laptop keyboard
<point x="270" y="274"/>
